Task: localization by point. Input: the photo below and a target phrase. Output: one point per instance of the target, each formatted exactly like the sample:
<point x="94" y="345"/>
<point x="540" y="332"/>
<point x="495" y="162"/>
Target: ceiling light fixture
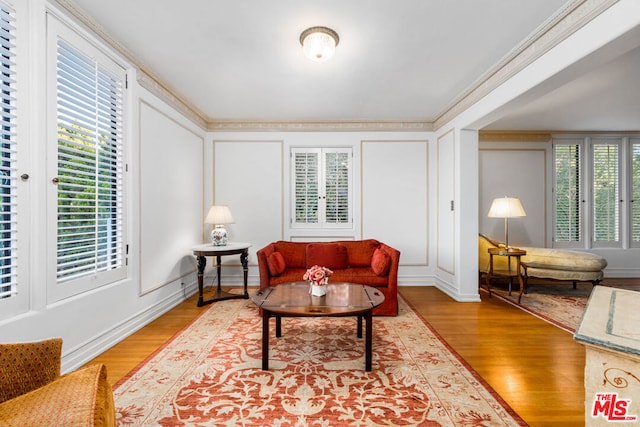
<point x="319" y="43"/>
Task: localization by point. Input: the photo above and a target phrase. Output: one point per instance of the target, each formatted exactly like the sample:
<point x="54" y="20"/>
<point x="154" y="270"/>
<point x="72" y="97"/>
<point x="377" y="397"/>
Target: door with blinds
<point x="87" y="193"/>
<point x="14" y="293"/>
<point x="322" y="193"/>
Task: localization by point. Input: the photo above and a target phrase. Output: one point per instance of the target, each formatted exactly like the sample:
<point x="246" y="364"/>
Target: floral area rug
<point x="210" y="375"/>
<point x="556" y="302"/>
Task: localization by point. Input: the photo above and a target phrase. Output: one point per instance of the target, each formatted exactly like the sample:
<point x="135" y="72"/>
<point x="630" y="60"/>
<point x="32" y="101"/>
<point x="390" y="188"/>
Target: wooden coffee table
<point x="294" y="300"/>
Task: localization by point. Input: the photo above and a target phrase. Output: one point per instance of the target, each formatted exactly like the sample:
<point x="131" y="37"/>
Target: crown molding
<point x="145" y="77"/>
<point x="324" y="126"/>
<point x="572" y="17"/>
<point x="155" y="86"/>
<point x="567" y="21"/>
<point x="514" y="136"/>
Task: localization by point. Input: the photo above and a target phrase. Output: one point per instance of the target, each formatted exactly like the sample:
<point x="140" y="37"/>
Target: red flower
<point x="317" y="274"/>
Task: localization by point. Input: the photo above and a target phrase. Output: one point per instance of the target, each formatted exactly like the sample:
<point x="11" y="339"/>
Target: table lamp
<point x="506" y="207"/>
<point x="219" y="215"/>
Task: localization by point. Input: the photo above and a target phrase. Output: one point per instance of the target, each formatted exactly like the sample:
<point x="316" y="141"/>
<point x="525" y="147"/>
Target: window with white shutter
<point x="605" y="197"/>
<point x="567" y="194"/>
<point x="599" y="208"/>
<point x="89" y="177"/>
<point x="634" y="214"/>
<point x="322" y="193"/>
<point x="306" y="174"/>
<point x="8" y="173"/>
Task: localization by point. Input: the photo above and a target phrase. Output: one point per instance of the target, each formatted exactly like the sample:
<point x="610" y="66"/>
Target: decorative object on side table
<point x="219" y="215"/>
<point x="318" y="278"/>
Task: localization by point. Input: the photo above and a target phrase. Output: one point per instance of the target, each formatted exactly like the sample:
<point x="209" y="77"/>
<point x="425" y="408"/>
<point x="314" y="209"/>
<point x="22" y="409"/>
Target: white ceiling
<point x="403" y="60"/>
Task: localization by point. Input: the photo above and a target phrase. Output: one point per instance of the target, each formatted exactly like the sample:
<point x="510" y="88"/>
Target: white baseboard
<point x="84" y="353"/>
<point x="621" y="272"/>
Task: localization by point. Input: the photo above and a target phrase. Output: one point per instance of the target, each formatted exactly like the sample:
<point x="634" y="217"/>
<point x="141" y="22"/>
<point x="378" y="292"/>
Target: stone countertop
<point x="611" y="320"/>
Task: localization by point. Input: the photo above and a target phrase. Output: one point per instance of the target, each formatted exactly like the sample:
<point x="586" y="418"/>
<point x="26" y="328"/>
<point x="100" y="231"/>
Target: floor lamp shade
<point x="219" y="215"/>
<point x="506" y="207"/>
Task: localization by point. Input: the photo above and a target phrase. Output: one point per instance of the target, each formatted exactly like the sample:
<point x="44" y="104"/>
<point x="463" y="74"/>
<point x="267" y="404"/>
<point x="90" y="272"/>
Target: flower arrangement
<point x="317" y="276"/>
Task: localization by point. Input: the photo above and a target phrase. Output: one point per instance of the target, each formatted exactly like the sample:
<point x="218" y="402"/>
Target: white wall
<point x="551" y="68"/>
<point x="171" y="190"/>
<point x="515" y="169"/>
<point x="391" y="174"/>
<point x="249" y="171"/>
<point x="529" y="166"/>
<point x="457" y="268"/>
<point x="163" y="208"/>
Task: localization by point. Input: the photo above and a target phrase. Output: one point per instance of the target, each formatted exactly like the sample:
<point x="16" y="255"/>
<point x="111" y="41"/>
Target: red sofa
<point x="367" y="262"/>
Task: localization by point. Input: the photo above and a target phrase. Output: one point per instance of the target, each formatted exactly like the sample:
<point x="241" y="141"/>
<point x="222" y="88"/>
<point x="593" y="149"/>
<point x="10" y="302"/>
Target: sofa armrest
<point x="394" y="255"/>
<point x="81" y="398"/>
<point x="28" y="366"/>
<point x="263" y="267"/>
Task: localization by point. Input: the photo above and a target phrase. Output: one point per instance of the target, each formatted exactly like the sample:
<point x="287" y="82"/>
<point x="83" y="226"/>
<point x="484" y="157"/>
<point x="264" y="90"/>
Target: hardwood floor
<point x="537" y="368"/>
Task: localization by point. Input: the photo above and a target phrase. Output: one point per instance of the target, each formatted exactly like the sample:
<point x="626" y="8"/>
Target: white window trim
<point x="629" y="196"/>
<point x="591" y="143"/>
<point x="56" y="29"/>
<point x="321" y="227"/>
<point x="581" y="241"/>
<point x="586" y="143"/>
<point x="19" y="302"/>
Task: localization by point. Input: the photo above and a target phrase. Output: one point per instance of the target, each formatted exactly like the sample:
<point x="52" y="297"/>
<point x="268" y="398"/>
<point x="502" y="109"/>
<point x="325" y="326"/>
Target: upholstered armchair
<point x="33" y="393"/>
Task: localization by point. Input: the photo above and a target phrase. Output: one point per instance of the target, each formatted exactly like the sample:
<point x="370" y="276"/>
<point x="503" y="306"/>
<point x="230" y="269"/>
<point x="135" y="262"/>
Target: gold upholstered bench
<point x="548" y="263"/>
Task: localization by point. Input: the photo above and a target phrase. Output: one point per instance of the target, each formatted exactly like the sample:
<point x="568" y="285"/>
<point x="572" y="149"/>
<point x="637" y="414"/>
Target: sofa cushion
<point x="380" y="262"/>
<point x="360" y="252"/>
<point x="81" y="398"/>
<point x="330" y="255"/>
<point x="294" y="253"/>
<point x="290" y="274"/>
<point x="360" y="275"/>
<point x="568" y="275"/>
<point x="276" y="264"/>
<point x="561" y="259"/>
<point x="27" y="366"/>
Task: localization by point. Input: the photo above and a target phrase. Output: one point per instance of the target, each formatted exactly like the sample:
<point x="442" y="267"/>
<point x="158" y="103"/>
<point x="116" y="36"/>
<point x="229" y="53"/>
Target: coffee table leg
<point x="368" y="351"/>
<point x="278" y="326"/>
<point x="265" y="341"/>
<point x="359" y="326"/>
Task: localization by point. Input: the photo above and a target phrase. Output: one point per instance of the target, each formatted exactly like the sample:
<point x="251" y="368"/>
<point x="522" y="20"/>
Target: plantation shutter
<point x="8" y="172"/>
<point x="90" y="166"/>
<point x="568" y="198"/>
<point x="635" y="193"/>
<point x="306" y="172"/>
<point x="606" y="192"/>
<point x="337" y="187"/>
<point x="321" y="180"/>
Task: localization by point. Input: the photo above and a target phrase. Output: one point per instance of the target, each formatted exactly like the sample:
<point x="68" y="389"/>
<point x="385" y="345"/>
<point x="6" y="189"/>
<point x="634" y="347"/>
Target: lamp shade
<point x="319" y="43"/>
<point x="219" y="214"/>
<point x="506" y="207"/>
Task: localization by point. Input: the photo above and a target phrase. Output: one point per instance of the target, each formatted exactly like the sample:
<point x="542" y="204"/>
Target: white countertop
<point x="611" y="320"/>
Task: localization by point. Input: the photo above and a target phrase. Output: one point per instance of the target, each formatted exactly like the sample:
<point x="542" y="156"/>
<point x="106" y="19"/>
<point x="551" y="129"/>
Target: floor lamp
<point x="506" y="207"/>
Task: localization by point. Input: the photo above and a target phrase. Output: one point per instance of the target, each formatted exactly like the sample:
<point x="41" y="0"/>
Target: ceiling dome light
<point x="319" y="43"/>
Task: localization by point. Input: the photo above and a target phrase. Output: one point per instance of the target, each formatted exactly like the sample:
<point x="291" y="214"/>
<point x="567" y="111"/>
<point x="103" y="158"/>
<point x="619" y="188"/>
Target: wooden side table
<point x="203" y="251"/>
<point x="508" y="272"/>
